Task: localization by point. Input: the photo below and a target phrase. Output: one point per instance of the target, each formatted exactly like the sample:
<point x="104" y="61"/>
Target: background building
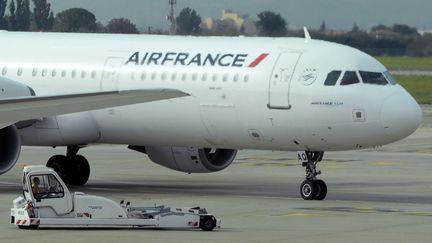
<point x="230" y="23"/>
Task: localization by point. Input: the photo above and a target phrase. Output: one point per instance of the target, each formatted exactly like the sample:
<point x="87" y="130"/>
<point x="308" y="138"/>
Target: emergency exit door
<point x="111" y="74"/>
<point x="280" y="81"/>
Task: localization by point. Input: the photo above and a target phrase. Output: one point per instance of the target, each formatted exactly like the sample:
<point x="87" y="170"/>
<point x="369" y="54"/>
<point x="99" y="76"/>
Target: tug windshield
<point x="46" y="186"/>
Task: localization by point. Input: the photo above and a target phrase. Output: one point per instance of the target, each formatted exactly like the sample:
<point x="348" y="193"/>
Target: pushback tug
<point x="46" y="201"/>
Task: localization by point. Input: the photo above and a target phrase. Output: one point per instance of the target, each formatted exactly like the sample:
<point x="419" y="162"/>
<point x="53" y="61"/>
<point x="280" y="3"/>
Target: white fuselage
<point x="246" y="93"/>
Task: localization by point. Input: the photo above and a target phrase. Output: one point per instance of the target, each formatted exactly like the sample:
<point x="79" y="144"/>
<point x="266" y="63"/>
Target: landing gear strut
<point x="73" y="168"/>
<point x="312" y="188"/>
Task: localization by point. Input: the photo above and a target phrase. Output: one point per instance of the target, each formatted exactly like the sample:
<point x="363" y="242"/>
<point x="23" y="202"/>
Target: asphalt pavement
<point x="375" y="195"/>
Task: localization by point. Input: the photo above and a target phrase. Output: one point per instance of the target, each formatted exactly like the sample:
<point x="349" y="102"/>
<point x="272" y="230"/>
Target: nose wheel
<point x="312" y="188"/>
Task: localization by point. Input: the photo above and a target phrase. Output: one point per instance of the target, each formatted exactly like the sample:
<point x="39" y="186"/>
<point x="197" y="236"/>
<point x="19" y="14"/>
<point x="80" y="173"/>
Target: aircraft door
<point x="280" y="81"/>
<point x="111" y="74"/>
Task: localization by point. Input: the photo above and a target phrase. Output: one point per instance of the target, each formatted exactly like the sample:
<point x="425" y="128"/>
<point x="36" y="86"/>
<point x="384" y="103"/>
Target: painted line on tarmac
<point x="425" y="151"/>
<point x="332" y="167"/>
<point x="102" y="189"/>
<point x="9" y="183"/>
<point x="363" y="210"/>
<point x="303" y="215"/>
<point x="387" y="163"/>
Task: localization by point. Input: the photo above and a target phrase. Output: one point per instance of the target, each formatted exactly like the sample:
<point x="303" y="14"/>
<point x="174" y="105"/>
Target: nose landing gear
<point x="312" y="188"/>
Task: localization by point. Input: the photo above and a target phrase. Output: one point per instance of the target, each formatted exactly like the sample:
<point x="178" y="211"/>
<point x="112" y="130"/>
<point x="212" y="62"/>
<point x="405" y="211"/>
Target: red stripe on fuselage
<point x="258" y="60"/>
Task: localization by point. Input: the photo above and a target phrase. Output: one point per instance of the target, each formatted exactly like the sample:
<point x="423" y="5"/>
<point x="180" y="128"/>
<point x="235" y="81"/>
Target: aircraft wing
<point x="13" y="110"/>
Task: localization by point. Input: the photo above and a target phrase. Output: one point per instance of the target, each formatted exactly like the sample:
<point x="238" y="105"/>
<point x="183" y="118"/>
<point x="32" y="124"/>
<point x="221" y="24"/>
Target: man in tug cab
<point x="36" y="186"/>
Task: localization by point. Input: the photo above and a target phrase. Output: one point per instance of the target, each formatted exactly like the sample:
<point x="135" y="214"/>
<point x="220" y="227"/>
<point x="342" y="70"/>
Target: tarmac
<point x="375" y="195"/>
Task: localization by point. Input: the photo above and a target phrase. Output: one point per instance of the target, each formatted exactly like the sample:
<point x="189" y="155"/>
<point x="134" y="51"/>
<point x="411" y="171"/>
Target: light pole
<point x="172" y="17"/>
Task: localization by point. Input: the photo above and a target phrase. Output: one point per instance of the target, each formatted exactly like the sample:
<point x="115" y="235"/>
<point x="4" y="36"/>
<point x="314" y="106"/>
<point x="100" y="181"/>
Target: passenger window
<point x="93" y="74"/>
<point x="19" y="72"/>
<point x="332" y="78"/>
<point x="63" y="73"/>
<point x="73" y="73"/>
<point x="143" y="76"/>
<point x="246" y="78"/>
<point x="214" y="78"/>
<point x="184" y="77"/>
<point x="373" y="78"/>
<point x="34" y="72"/>
<point x="54" y="73"/>
<point x="236" y="78"/>
<point x="83" y="74"/>
<point x="349" y="78"/>
<point x="173" y="76"/>
<point x="204" y="77"/>
<point x="44" y="72"/>
<point x="225" y="77"/>
<point x="164" y="76"/>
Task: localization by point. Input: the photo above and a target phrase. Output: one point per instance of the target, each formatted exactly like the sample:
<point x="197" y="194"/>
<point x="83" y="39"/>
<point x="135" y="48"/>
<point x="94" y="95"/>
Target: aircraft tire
<point x="308" y="190"/>
<point x="322" y="190"/>
<point x="80" y="170"/>
<point x="60" y="164"/>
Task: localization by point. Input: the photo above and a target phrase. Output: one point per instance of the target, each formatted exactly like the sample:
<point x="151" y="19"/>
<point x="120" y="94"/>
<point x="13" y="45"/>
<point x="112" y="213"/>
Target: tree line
<point x="381" y="40"/>
<point x="393" y="40"/>
<point x="36" y="15"/>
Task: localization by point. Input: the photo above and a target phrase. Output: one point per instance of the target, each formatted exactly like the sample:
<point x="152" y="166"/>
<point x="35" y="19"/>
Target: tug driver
<point x="36" y="186"/>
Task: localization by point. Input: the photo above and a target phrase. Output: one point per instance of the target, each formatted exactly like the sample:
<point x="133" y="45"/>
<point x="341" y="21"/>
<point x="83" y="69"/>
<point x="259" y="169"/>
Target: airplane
<point x="211" y="96"/>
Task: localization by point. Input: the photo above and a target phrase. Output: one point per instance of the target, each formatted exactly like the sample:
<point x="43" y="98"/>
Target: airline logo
<point x="198" y="60"/>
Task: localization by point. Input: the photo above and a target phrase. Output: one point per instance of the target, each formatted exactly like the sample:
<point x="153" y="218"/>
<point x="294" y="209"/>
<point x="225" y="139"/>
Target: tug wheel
<point x="29" y="227"/>
<point x="207" y="223"/>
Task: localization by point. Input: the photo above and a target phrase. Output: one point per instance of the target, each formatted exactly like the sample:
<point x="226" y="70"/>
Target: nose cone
<point x="400" y="116"/>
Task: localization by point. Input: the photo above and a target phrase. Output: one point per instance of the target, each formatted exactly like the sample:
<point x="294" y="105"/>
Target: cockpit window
<point x="350" y="77"/>
<point x="332" y="78"/>
<point x="390" y="78"/>
<point x="373" y="78"/>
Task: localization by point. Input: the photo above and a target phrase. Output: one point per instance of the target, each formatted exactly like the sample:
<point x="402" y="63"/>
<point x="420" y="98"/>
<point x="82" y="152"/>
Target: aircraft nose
<point x="400" y="116"/>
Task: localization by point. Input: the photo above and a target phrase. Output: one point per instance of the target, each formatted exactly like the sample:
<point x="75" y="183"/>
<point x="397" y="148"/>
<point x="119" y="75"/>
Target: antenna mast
<point x="172" y="16"/>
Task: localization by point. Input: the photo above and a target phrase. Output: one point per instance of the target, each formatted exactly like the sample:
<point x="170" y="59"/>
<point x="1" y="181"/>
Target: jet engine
<point x="10" y="141"/>
<point x="10" y="148"/>
<point x="190" y="160"/>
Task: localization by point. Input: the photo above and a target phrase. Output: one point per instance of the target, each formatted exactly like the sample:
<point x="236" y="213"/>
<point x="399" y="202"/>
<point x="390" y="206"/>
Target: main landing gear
<point x="312" y="188"/>
<point x="74" y="169"/>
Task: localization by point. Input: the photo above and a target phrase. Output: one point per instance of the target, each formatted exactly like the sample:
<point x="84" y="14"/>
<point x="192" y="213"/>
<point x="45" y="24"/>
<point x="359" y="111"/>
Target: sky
<point x="339" y="14"/>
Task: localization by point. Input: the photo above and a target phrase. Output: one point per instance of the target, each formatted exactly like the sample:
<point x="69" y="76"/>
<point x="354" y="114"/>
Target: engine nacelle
<point x="192" y="160"/>
<point x="10" y="148"/>
<point x="10" y="141"/>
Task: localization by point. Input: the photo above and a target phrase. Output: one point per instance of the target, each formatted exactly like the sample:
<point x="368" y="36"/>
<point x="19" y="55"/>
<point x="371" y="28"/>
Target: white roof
<point x="37" y="168"/>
